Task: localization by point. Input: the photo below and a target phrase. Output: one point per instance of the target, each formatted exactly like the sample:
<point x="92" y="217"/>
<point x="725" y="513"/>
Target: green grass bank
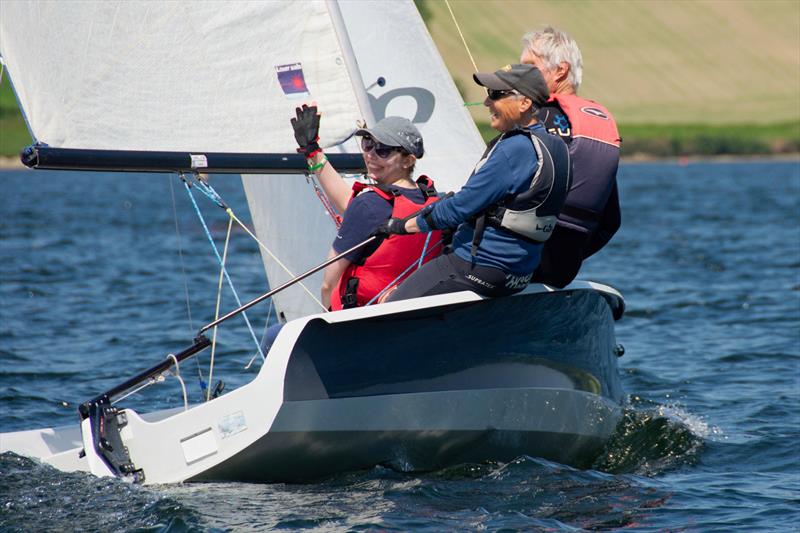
<point x="679" y="140"/>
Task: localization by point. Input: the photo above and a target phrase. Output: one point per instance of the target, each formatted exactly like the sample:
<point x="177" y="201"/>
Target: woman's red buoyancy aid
<point x="395" y="254"/>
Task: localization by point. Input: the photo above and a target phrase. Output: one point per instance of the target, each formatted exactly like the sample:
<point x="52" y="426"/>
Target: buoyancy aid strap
<point x="580" y="213"/>
<point x="490" y="214"/>
<point x="424" y="183"/>
<point x="426" y="187"/>
<point x="384" y="192"/>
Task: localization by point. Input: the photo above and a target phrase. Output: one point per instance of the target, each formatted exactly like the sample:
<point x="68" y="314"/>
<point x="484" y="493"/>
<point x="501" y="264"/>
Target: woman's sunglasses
<point x="368" y="144"/>
<point x="499" y="94"/>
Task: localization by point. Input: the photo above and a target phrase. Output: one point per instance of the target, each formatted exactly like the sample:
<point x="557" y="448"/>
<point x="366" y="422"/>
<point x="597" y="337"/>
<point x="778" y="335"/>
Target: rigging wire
<point x="152" y="381"/>
<point x="180" y="255"/>
<point x="203" y="384"/>
<point x="466" y="47"/>
<point x="224" y="270"/>
<point x="209" y="191"/>
<point x="263" y="335"/>
<point x="326" y="203"/>
<point x="285" y="268"/>
<point x="216" y="311"/>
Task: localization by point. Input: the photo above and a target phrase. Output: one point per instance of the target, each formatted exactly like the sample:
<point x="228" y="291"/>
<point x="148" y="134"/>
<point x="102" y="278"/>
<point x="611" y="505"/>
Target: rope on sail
<point x="206" y="189"/>
<point x="415" y="264"/>
<point x="216" y="310"/>
<point x="224" y="270"/>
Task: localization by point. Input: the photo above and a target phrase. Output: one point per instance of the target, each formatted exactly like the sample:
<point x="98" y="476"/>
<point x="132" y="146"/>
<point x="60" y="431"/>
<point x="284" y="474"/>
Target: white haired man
<point x="591" y="214"/>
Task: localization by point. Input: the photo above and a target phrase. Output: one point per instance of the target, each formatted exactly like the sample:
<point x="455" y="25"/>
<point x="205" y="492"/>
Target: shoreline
<point x="8" y="162"/>
<point x="699" y="158"/>
<point x="13" y="162"/>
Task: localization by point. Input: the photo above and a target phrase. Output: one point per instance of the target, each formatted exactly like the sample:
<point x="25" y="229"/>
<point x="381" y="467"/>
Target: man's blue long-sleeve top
<point x="508" y="169"/>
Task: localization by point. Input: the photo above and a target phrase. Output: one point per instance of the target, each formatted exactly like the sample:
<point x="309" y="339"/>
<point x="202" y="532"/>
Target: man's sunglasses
<point x="499" y="94"/>
<point x="368" y="144"/>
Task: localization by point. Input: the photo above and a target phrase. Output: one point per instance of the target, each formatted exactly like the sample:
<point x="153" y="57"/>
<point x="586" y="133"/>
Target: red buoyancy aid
<point x="594" y="149"/>
<point x="588" y="119"/>
<point x="395" y="254"/>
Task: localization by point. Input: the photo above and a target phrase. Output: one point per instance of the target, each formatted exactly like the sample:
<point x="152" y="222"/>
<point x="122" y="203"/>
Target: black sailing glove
<point x="393" y="226"/>
<point x="306" y="130"/>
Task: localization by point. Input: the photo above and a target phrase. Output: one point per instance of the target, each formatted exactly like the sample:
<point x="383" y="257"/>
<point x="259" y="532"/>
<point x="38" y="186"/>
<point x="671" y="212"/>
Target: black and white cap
<point x="525" y="79"/>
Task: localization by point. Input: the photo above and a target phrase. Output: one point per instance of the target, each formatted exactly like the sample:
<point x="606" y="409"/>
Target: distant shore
<point x="8" y="162"/>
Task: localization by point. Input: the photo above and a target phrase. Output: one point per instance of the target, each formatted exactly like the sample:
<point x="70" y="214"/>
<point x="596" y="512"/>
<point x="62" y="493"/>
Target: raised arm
<point x="306" y="133"/>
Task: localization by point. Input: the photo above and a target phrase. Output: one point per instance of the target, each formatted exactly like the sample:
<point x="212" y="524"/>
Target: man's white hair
<point x="553" y="47"/>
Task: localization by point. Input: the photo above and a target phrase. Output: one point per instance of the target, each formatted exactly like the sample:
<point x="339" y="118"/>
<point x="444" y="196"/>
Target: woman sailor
<point x="391" y="148"/>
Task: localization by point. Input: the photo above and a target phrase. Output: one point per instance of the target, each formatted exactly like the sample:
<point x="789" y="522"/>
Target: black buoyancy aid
<point x="594" y="147"/>
<point x="362" y="281"/>
<point x="532" y="214"/>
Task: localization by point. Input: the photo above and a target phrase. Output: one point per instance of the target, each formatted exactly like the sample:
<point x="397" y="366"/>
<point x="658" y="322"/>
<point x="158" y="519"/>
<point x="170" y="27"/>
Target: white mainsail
<point x="173" y="76"/>
<point x="389" y="40"/>
<point x="225" y="77"/>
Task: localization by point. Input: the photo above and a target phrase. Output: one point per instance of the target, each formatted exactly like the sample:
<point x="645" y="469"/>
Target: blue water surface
<point x="96" y="271"/>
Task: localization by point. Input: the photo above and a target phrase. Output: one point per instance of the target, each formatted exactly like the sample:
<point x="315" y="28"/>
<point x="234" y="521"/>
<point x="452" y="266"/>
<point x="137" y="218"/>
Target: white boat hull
<point x="414" y="385"/>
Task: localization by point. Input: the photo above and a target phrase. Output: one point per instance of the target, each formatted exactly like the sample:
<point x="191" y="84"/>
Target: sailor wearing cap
<point x="508" y="206"/>
<point x="391" y="148"/>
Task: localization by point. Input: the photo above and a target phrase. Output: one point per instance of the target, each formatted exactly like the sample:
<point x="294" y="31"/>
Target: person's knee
<point x="269" y="337"/>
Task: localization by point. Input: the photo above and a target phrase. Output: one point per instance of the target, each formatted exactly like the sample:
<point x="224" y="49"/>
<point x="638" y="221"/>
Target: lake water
<point x="93" y="289"/>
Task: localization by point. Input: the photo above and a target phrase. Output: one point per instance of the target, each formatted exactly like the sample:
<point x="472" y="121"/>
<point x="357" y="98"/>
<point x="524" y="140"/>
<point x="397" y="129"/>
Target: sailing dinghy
<point x="208" y="88"/>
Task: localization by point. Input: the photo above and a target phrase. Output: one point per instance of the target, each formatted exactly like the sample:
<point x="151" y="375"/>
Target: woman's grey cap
<point x="525" y="79"/>
<point x="396" y="131"/>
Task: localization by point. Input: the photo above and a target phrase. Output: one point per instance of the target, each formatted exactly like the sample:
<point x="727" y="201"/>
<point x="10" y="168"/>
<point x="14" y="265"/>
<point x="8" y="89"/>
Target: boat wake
<point x="37" y="497"/>
<point x="652" y="438"/>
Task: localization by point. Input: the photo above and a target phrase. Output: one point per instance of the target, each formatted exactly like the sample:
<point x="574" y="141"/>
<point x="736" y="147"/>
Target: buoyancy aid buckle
<point x="426" y="187"/>
<point x="350" y="298"/>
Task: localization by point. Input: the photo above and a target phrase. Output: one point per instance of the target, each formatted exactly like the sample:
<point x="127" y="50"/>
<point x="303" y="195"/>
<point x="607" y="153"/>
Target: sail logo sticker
<point x="292" y="80"/>
<point x="594" y="112"/>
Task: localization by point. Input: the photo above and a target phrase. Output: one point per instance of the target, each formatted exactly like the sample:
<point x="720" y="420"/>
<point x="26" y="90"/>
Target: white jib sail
<point x="389" y="40"/>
